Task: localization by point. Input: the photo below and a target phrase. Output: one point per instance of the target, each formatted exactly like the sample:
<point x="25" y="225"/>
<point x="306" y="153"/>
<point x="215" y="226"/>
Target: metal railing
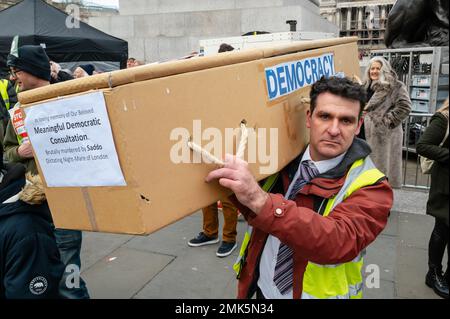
<point x="414" y="126"/>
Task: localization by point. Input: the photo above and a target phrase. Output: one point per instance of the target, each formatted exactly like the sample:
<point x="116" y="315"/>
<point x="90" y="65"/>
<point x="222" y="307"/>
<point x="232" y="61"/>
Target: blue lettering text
<point x="291" y="78"/>
<point x="285" y="78"/>
<point x="308" y="77"/>
<point x="321" y="73"/>
<point x="281" y="80"/>
<point x="314" y="70"/>
<point x="272" y="86"/>
<point x="300" y="75"/>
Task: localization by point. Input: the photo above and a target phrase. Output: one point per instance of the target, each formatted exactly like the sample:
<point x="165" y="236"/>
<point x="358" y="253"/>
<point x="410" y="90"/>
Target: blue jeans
<point x="69" y="246"/>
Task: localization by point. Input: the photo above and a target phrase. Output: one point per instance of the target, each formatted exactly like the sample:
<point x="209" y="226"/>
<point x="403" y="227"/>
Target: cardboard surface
<point x="220" y="91"/>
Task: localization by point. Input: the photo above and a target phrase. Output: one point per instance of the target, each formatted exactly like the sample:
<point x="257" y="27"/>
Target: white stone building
<point x="160" y="30"/>
<point x="365" y="19"/>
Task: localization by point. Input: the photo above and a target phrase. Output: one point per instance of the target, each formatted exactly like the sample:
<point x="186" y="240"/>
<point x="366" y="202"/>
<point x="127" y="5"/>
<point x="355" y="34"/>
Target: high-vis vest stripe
<point x="339" y="281"/>
<point x="4" y="92"/>
<point x="238" y="264"/>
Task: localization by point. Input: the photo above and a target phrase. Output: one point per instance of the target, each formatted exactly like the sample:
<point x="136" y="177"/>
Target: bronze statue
<point x="415" y="23"/>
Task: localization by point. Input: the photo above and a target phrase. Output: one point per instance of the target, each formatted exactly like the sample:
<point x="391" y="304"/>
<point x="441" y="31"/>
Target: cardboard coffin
<point x="146" y="104"/>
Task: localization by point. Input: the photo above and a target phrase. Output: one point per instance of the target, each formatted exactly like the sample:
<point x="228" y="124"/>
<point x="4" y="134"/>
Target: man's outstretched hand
<point x="236" y="176"/>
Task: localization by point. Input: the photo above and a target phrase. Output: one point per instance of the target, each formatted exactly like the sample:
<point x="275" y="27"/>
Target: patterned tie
<point x="283" y="277"/>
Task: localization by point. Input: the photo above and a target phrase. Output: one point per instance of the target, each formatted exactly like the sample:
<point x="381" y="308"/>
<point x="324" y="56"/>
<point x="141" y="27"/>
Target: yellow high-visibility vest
<point x="268" y="185"/>
<point x="4" y="92"/>
<point x="341" y="281"/>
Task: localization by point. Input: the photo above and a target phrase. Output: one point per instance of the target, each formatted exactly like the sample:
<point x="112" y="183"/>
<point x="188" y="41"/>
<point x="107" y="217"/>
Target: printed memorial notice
<point x="73" y="142"/>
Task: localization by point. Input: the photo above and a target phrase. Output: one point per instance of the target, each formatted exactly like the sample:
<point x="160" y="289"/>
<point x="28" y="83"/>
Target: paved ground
<point x="161" y="265"/>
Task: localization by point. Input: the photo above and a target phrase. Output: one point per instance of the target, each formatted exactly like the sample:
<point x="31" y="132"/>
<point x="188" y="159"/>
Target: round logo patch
<point x="38" y="285"/>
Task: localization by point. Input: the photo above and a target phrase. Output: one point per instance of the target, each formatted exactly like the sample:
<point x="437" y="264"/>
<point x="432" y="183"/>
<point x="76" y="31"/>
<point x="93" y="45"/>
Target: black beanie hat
<point x="88" y="68"/>
<point x="31" y="59"/>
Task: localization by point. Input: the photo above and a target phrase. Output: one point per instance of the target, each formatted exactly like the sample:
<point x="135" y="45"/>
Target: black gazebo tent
<point x="39" y="23"/>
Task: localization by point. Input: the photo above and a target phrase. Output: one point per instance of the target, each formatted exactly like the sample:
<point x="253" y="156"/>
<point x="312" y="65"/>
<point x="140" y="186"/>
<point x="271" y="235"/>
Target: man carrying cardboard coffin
<point x="31" y="67"/>
<point x="30" y="265"/>
<point x="309" y="233"/>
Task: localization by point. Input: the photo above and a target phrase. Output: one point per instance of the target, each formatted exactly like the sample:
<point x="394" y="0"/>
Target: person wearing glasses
<point x="30" y="65"/>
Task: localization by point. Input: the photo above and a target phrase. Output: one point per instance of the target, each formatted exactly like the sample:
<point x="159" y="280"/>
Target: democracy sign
<point x="285" y="78"/>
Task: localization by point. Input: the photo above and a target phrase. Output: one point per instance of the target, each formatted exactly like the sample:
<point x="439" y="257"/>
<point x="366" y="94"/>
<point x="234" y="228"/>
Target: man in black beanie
<point x="30" y="66"/>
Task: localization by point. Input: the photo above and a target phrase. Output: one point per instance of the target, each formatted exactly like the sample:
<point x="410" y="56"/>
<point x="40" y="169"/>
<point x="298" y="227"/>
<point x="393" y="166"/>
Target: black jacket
<point x="30" y="266"/>
<point x="61" y="77"/>
<point x="428" y="146"/>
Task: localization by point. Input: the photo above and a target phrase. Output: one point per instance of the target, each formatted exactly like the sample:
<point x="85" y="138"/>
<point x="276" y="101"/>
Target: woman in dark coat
<point x="437" y="205"/>
<point x="30" y="265"/>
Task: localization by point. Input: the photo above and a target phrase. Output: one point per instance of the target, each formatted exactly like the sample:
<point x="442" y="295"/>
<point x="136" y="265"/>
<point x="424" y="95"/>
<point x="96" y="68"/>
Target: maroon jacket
<point x="338" y="238"/>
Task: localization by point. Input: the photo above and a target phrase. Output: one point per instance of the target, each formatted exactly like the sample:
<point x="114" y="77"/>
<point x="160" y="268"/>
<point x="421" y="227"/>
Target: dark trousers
<point x="69" y="246"/>
<point x="259" y="294"/>
<point x="438" y="243"/>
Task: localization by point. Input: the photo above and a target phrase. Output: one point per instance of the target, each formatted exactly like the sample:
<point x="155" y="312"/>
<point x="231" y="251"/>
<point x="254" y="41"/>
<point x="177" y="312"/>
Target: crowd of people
<point x="308" y="225"/>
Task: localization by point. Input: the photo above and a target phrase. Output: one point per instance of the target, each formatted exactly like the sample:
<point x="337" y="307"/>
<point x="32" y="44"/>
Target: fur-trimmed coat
<point x="388" y="107"/>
